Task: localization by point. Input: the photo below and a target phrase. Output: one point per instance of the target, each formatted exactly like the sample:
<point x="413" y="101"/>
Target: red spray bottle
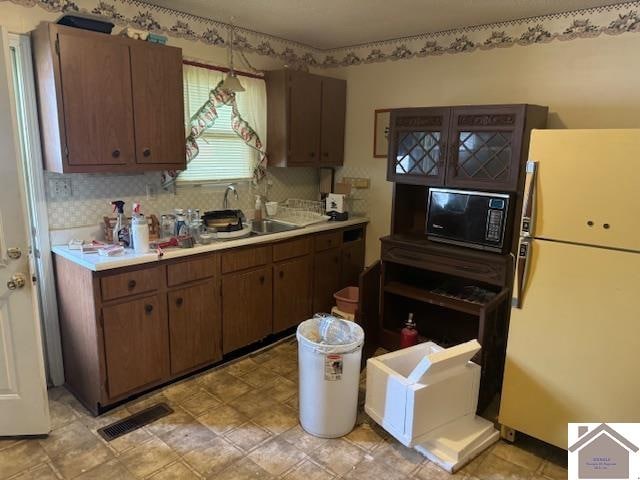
<point x="409" y="334"/>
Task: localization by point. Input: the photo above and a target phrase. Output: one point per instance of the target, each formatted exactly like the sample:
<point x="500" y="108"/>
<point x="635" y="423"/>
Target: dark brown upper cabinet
<point x="108" y="103"/>
<point x="480" y="147"/>
<point x="306" y="116"/>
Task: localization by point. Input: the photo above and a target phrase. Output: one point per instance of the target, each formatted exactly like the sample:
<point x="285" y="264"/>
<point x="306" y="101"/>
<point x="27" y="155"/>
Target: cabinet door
<point x="369" y="306"/>
<point x="291" y="292"/>
<point x="98" y="110"/>
<point x="136" y="344"/>
<point x="326" y="279"/>
<point x="418" y="145"/>
<point x="485" y="147"/>
<point x="156" y="76"/>
<point x="305" y="108"/>
<point x="334" y="105"/>
<point x="352" y="263"/>
<point x="246" y="308"/>
<point x="195" y="326"/>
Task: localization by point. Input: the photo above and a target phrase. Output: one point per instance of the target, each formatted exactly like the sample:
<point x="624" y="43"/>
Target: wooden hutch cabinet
<point x="455" y="293"/>
<point x="474" y="147"/>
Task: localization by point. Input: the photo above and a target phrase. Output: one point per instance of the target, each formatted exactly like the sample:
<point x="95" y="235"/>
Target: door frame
<point x="31" y="157"/>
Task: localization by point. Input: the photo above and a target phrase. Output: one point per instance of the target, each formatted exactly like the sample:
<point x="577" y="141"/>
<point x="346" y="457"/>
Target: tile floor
<point x="240" y="422"/>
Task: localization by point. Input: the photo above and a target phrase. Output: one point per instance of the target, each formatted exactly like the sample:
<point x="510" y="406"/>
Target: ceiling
<point x="327" y="24"/>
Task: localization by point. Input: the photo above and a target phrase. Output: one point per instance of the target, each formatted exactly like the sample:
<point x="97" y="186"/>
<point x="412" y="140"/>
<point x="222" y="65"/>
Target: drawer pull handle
<point x="115" y="153"/>
<point x="146" y="152"/>
<point x="148" y="308"/>
<point x="281" y="274"/>
<point x="179" y="301"/>
<point x="131" y="284"/>
<point x="262" y="280"/>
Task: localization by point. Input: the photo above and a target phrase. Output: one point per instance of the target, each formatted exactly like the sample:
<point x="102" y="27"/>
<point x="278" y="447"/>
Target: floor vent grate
<point x="135" y="421"/>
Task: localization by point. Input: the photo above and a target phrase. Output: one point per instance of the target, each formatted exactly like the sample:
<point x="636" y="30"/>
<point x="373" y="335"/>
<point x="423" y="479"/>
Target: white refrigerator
<point x="573" y="349"/>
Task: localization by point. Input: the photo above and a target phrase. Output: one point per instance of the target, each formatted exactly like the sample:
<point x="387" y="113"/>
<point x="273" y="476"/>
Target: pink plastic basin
<point x="347" y="299"/>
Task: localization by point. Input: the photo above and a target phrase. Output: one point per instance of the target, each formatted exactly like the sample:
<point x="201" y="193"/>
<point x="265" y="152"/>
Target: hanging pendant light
<point x="231" y="82"/>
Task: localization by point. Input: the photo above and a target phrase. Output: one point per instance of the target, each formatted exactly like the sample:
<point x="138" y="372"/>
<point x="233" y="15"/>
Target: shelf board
<point x="422" y="295"/>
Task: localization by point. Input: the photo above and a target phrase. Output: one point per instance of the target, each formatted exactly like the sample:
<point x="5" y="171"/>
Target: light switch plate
<point x="60" y="188"/>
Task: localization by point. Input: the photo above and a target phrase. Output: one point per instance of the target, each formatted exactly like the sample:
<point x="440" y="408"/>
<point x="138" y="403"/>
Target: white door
<point x="24" y="407"/>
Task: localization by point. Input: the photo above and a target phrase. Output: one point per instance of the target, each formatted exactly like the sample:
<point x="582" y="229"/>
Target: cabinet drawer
<point x="291" y="249"/>
<point x="130" y="283"/>
<point x="325" y="241"/>
<point x="190" y="270"/>
<point x="235" y="260"/>
<point x="493" y="273"/>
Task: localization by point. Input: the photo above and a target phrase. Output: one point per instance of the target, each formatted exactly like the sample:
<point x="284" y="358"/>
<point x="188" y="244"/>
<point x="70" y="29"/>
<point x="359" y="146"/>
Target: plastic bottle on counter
<point x="257" y="213"/>
<point x="182" y="228"/>
<point x="139" y="231"/>
<point x="121" y="234"/>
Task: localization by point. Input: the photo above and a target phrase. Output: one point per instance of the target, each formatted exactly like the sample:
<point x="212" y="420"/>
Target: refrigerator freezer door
<point x="586" y="186"/>
<point x="573" y="347"/>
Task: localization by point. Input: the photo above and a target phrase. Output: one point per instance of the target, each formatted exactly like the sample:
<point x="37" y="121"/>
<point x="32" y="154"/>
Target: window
<point x="223" y="154"/>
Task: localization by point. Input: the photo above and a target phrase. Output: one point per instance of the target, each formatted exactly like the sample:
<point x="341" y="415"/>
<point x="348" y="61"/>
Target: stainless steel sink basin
<point x="265" y="227"/>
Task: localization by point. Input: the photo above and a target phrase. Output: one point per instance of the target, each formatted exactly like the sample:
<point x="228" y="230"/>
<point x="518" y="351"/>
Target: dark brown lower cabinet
<point x="195" y="326"/>
<point x="128" y="330"/>
<point x="136" y="344"/>
<point x="291" y="292"/>
<point x="326" y="279"/>
<point x="352" y="262"/>
<point x="246" y="308"/>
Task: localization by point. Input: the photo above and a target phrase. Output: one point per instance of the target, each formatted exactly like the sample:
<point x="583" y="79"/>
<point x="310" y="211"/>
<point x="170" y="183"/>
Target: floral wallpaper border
<point x="607" y="20"/>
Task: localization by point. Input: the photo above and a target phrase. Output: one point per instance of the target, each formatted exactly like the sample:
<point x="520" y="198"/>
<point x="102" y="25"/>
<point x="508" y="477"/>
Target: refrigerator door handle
<point x="526" y="223"/>
<point x="522" y="271"/>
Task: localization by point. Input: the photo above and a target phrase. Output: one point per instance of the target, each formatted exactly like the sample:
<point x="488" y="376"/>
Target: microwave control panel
<point x="495" y="218"/>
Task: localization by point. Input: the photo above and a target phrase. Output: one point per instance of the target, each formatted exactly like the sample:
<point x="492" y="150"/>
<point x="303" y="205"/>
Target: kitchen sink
<point x="265" y="227"/>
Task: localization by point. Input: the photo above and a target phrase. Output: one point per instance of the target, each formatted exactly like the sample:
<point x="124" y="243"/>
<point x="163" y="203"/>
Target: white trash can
<point x="329" y="353"/>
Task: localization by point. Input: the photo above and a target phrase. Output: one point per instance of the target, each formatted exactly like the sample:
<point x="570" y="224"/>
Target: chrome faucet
<point x="230" y="188"/>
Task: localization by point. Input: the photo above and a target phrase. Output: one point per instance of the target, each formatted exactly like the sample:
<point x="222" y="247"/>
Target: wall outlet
<point x="356" y="182"/>
<point x="60" y="188"/>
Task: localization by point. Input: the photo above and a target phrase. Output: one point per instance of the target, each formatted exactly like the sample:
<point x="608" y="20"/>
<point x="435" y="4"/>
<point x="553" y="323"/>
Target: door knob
<point x="17" y="281"/>
<point x="14" y="253"/>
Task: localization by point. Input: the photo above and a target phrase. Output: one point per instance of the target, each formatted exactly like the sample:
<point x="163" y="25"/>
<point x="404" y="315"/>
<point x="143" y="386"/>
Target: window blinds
<point x="223" y="155"/>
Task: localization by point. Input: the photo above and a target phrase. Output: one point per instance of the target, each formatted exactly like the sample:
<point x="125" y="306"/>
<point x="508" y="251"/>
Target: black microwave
<point x="470" y="219"/>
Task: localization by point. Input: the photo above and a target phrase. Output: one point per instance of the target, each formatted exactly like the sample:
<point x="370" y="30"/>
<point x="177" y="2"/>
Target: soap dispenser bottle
<point x="257" y="213"/>
<point x="121" y="234"/>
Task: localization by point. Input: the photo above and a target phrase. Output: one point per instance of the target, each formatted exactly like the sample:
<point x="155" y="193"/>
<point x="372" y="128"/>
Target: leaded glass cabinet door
<point x="485" y="147"/>
<point x="418" y="145"/>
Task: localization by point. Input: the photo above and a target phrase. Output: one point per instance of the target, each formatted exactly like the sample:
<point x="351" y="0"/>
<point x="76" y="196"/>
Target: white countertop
<point x="98" y="263"/>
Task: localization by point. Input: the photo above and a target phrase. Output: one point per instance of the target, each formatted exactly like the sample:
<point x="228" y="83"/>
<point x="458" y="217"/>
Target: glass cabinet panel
<point x="484" y="155"/>
<point x="418" y="153"/>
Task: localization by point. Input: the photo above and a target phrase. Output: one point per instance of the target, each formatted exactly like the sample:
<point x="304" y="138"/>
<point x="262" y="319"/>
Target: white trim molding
<point x="39" y="220"/>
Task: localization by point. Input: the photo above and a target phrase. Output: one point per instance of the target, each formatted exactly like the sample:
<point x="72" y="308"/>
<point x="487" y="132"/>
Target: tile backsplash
<point x="91" y="194"/>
